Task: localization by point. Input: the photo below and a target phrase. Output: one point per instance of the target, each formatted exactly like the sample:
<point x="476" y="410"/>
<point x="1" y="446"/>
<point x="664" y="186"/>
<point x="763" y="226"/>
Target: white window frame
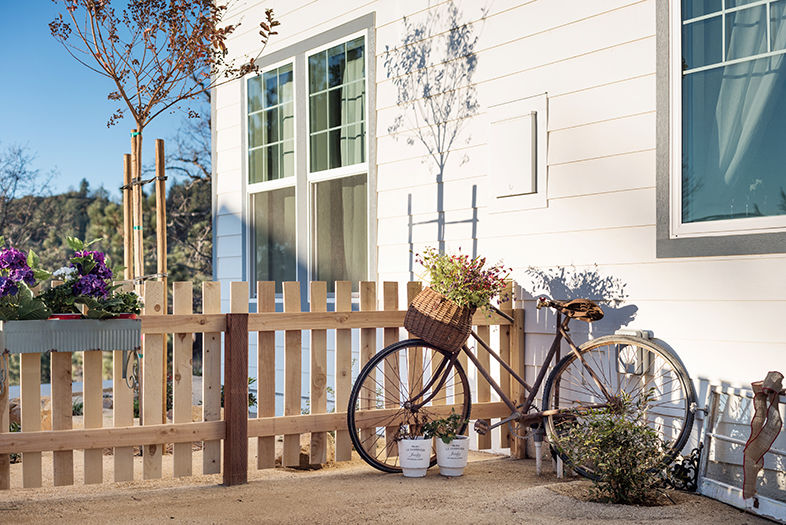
<point x="678" y="229"/>
<point x="306" y="191"/>
<point x="344" y="171"/>
<point x="256" y="188"/>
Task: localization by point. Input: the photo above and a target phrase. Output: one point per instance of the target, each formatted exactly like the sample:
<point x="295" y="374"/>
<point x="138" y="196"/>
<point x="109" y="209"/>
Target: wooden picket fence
<point x="235" y="428"/>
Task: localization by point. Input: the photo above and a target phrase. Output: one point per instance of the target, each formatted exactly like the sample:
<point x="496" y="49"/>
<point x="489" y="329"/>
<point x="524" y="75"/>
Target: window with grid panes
<point x="271" y="157"/>
<point x="337" y="141"/>
<point x="271" y="125"/>
<point x="733" y="118"/>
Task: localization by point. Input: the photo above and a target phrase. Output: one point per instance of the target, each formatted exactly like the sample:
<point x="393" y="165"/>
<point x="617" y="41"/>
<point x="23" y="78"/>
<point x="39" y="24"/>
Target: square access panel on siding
<point x="517" y="154"/>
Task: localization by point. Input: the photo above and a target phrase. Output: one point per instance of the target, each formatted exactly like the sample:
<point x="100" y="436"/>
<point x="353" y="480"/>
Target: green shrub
<point x="77" y="408"/>
<point x="626" y="454"/>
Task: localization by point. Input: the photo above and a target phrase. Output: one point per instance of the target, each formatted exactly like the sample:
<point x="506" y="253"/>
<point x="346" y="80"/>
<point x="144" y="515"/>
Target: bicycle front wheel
<point x="611" y="370"/>
<point x="387" y="395"/>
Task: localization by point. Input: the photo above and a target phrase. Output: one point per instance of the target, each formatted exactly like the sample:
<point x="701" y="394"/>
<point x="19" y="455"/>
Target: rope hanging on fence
<point x="142" y="182"/>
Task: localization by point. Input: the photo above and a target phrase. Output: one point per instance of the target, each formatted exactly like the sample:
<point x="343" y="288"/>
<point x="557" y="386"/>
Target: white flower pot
<point x="414" y="456"/>
<point x="452" y="457"/>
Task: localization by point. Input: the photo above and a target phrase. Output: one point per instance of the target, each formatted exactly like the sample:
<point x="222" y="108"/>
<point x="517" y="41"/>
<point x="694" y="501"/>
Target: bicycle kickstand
<point x="482" y="426"/>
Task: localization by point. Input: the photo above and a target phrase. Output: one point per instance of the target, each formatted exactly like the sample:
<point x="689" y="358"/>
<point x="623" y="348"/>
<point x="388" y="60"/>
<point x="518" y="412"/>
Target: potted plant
<point x="452" y="447"/>
<point x="442" y="313"/>
<point x="19" y="273"/>
<point x="117" y="305"/>
<point x="61" y="299"/>
<point x="414" y="450"/>
<point x="88" y="282"/>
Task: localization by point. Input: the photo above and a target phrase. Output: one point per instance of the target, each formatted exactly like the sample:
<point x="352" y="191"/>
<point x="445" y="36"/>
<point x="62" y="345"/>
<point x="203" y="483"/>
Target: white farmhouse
<point x="630" y="151"/>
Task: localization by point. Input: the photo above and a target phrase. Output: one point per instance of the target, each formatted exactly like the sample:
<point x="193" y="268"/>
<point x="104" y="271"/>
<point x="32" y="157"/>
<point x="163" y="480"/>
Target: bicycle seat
<point x="581" y="309"/>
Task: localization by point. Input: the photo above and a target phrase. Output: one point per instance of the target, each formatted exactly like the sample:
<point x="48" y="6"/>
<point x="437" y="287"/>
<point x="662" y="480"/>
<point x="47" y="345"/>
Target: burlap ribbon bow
<point x="765" y="427"/>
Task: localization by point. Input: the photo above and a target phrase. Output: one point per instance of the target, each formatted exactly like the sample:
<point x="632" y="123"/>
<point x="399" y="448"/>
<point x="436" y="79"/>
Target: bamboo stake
<point x="128" y="247"/>
<point x="136" y="172"/>
<point x="161" y="211"/>
<point x="161" y="239"/>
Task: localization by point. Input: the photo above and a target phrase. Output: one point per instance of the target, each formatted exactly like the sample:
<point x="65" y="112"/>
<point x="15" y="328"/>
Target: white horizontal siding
<point x="596" y="62"/>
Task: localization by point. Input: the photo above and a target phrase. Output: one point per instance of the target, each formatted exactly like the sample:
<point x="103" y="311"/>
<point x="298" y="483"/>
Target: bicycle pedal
<point x="481" y="426"/>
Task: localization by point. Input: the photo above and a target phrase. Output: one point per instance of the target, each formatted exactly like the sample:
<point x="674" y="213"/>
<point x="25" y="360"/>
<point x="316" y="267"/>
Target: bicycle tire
<point x="374" y="439"/>
<point x="622" y="363"/>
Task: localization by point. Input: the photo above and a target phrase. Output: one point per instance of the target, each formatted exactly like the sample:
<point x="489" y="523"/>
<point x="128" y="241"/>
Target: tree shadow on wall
<point x="432" y="71"/>
<point x="566" y="282"/>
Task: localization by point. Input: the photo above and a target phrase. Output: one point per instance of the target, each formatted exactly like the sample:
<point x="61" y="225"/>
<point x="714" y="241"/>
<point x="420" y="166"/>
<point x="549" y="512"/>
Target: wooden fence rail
<point x="153" y="430"/>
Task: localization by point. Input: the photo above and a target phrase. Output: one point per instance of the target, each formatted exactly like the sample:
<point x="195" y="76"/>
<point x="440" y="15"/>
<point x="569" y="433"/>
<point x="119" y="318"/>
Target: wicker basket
<point x="438" y="320"/>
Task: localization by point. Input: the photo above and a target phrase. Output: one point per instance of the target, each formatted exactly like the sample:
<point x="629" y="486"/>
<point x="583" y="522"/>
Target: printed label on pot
<point x="456" y="452"/>
<point x="416" y="452"/>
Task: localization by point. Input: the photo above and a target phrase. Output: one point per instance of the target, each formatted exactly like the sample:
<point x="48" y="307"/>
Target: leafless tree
<point x="158" y="54"/>
<point x="24" y="211"/>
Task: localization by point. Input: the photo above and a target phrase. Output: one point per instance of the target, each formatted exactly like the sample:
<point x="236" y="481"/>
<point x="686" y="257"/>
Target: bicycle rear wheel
<point x="628" y="368"/>
<point x="381" y="401"/>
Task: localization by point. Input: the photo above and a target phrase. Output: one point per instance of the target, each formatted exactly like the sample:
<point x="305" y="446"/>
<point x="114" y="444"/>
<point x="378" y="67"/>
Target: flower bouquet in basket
<point x="442" y="313"/>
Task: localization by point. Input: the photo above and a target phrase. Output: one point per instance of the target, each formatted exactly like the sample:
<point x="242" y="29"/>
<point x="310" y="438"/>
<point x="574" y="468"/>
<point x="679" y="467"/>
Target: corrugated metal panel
<point x="20" y="337"/>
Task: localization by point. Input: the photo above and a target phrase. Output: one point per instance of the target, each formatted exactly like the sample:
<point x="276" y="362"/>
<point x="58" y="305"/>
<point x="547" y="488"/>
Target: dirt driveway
<point x="493" y="490"/>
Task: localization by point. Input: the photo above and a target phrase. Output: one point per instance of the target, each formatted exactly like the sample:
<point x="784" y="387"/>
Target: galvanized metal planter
<point x="25" y="337"/>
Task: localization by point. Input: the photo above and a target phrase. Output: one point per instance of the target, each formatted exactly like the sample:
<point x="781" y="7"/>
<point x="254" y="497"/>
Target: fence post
<point x="518" y="363"/>
<point x="504" y="352"/>
<point x="236" y="400"/>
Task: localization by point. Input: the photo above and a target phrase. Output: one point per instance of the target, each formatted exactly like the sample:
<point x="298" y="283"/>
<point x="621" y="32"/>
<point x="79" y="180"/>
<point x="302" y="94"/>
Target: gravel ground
<point x="494" y="489"/>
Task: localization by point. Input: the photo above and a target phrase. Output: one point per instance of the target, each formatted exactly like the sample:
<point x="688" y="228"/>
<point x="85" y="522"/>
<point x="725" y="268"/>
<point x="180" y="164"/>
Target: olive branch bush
<point x="625" y="453"/>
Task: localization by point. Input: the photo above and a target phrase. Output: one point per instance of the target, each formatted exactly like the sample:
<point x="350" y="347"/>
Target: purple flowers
<point x="91" y="263"/>
<point x="93" y="274"/>
<point x="8" y="287"/>
<point x="90" y="285"/>
<point x="12" y="259"/>
<point x="13" y="270"/>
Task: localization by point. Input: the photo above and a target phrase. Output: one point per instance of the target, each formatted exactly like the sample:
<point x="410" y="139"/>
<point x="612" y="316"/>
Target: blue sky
<point x="59" y="108"/>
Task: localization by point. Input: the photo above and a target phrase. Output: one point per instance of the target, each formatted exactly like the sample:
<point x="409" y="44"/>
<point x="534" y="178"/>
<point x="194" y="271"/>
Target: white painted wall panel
<point x="619" y="99"/>
<point x="603" y="175"/>
<point x="612" y="137"/>
<point x="596" y="61"/>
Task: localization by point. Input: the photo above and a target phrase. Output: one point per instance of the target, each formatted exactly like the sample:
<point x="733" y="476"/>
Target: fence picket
<point x="93" y="410"/>
<point x="182" y="369"/>
<point x="62" y="410"/>
<point x="483" y="387"/>
<point x="122" y="412"/>
<point x="392" y="370"/>
<point x="5" y="459"/>
<point x="292" y="371"/>
<point x="318" y="373"/>
<point x="211" y="375"/>
<point x="517" y="362"/>
<point x="343" y="368"/>
<point x="30" y="379"/>
<point x="504" y="353"/>
<point x="153" y="378"/>
<point x="266" y="374"/>
<point x="415" y="357"/>
<point x="368" y="340"/>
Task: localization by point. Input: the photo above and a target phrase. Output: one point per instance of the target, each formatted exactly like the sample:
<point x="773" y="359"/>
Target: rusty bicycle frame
<point x="519" y="413"/>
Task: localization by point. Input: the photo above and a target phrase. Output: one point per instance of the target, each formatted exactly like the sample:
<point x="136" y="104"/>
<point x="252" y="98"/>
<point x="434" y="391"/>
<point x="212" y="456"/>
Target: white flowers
<point x="64" y="273"/>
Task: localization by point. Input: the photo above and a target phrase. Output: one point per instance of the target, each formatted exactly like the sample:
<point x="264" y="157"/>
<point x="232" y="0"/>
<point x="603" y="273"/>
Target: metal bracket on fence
<point x="132" y="381"/>
<point x="684" y="473"/>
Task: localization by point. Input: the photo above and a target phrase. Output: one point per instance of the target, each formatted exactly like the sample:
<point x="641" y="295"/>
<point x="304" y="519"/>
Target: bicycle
<point x="420" y="382"/>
